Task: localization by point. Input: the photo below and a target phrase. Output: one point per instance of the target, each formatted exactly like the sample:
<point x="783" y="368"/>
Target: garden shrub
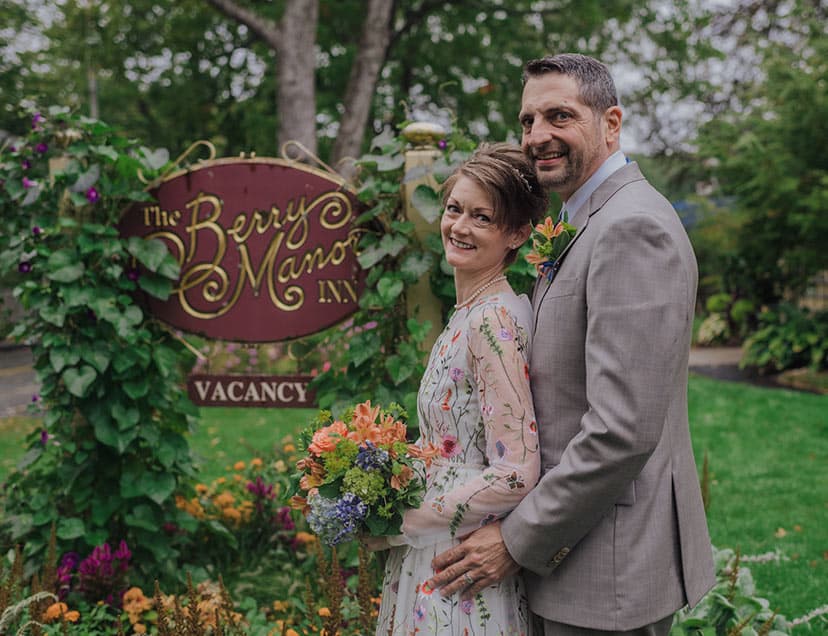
<point x="113" y="447"/>
<point x="788" y="337"/>
<point x="732" y="607"/>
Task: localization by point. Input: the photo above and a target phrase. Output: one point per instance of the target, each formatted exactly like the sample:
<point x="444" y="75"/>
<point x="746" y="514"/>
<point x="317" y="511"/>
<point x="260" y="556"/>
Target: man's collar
<point x="612" y="163"/>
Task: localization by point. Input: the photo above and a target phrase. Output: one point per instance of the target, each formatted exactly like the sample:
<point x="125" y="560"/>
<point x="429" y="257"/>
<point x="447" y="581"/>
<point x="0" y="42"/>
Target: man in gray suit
<point x="613" y="539"/>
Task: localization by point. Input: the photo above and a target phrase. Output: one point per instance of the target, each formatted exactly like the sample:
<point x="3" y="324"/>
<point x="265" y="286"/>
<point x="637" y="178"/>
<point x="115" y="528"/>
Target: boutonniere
<point x="549" y="240"/>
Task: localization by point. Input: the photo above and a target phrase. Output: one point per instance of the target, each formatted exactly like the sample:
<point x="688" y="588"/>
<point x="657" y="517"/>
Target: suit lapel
<point x="617" y="180"/>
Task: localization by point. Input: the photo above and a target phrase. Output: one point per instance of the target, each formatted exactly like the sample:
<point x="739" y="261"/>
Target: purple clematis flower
<point x="92" y="195"/>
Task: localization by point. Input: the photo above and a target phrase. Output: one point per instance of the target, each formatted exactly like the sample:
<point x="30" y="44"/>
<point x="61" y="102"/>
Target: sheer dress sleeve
<point x="508" y="462"/>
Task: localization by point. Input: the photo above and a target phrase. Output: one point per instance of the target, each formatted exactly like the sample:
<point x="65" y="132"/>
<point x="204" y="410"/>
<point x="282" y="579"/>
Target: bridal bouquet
<point x="359" y="474"/>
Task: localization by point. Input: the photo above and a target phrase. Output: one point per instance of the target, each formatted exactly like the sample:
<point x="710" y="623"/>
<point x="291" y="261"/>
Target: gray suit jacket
<point x="614" y="535"/>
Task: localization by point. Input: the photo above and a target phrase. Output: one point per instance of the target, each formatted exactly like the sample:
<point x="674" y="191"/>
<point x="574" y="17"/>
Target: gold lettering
<point x="328" y="288"/>
<point x="202" y="250"/>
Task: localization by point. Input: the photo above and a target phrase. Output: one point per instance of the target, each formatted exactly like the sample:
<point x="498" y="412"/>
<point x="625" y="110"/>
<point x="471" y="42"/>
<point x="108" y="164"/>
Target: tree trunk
<point x="294" y="42"/>
<point x="373" y="47"/>
<point x="296" y="74"/>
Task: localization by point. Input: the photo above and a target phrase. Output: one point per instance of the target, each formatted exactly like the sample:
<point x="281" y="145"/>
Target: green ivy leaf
<point x="370" y="256"/>
<point x="151" y="253"/>
<point x="78" y="380"/>
<point x="142" y="516"/>
<point x="67" y="274"/>
<point x="155" y="285"/>
<point x="416" y="265"/>
<point x="61" y="357"/>
<point x="136" y="388"/>
<point x="384" y="163"/>
<point x="126" y="416"/>
<point x="156" y="485"/>
<point x="70" y="528"/>
<point x="97" y="357"/>
<point x="166" y="360"/>
<point x="393" y="244"/>
<point x="388" y="289"/>
<point x="427" y="202"/>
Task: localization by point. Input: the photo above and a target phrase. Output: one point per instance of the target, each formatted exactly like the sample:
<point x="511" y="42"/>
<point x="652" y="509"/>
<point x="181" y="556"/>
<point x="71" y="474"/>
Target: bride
<point x="474" y="403"/>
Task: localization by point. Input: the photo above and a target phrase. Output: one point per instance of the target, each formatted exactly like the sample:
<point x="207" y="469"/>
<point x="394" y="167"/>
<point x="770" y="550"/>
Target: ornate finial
<point x="423" y="133"/>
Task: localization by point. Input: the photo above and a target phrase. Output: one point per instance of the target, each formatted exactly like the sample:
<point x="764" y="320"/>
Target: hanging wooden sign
<point x="265" y="246"/>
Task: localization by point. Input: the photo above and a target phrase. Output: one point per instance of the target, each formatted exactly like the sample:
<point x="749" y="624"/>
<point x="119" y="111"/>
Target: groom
<point x="613" y="539"/>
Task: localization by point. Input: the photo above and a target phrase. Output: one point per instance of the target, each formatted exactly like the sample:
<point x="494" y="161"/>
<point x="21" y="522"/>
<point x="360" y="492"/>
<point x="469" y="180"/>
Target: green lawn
<point x="767" y="452"/>
<point x="768" y="457"/>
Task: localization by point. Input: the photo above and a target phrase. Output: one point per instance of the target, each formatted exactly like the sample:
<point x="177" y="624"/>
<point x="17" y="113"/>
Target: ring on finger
<point x="468" y="579"/>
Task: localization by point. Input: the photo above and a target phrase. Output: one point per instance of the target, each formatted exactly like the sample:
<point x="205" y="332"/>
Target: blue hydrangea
<point x="370" y="457"/>
<point x="335" y="521"/>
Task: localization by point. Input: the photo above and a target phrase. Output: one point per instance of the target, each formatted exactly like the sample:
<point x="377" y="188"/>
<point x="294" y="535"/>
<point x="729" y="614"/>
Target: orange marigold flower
<point x="225" y="499"/>
<point x="280" y="606"/>
<point x="201" y="488"/>
<point x="305" y="537"/>
<point x="232" y="514"/>
<point x="139" y="628"/>
<point x="289" y="448"/>
<point x="324" y="612"/>
<point x="56" y="611"/>
<point x="256" y="462"/>
<point x="291" y="632"/>
<point x="239" y="466"/>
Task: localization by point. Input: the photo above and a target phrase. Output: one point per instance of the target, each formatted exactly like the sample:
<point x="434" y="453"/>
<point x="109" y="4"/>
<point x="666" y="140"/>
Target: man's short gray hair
<point x="597" y="89"/>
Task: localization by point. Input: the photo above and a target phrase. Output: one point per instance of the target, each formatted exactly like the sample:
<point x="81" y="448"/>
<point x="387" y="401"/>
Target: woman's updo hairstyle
<point x="507" y="176"/>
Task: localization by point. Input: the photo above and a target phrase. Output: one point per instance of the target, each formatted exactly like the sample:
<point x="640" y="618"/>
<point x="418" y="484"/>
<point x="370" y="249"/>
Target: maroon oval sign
<point x="266" y="248"/>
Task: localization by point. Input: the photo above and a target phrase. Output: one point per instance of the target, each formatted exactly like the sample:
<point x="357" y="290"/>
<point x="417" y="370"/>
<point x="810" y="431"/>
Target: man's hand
<point x="479" y="561"/>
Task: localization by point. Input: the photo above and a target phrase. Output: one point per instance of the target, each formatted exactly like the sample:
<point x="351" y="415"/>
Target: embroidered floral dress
<point x="474" y="403"/>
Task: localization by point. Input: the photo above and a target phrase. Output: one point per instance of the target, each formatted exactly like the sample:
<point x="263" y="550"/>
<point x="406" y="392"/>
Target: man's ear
<point x="612" y="121"/>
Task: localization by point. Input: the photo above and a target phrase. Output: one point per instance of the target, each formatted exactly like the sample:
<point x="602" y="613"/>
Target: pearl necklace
<point x="480" y="290"/>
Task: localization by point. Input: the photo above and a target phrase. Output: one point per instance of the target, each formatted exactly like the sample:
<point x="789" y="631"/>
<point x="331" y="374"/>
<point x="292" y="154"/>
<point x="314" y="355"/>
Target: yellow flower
<point x="139" y="628"/>
<point x="239" y="466"/>
<point x="256" y="462"/>
<point x="280" y="606"/>
<point x="281" y="466"/>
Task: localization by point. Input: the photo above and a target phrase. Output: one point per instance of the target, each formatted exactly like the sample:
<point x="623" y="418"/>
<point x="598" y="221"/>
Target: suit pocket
<point x="561" y="287"/>
<point x="627" y="498"/>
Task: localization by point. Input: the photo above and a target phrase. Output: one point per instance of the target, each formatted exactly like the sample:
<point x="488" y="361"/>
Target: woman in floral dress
<point x="474" y="404"/>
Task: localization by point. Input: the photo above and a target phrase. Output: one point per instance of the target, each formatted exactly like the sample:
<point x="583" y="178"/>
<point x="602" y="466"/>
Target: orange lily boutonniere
<point x="549" y="240"/>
